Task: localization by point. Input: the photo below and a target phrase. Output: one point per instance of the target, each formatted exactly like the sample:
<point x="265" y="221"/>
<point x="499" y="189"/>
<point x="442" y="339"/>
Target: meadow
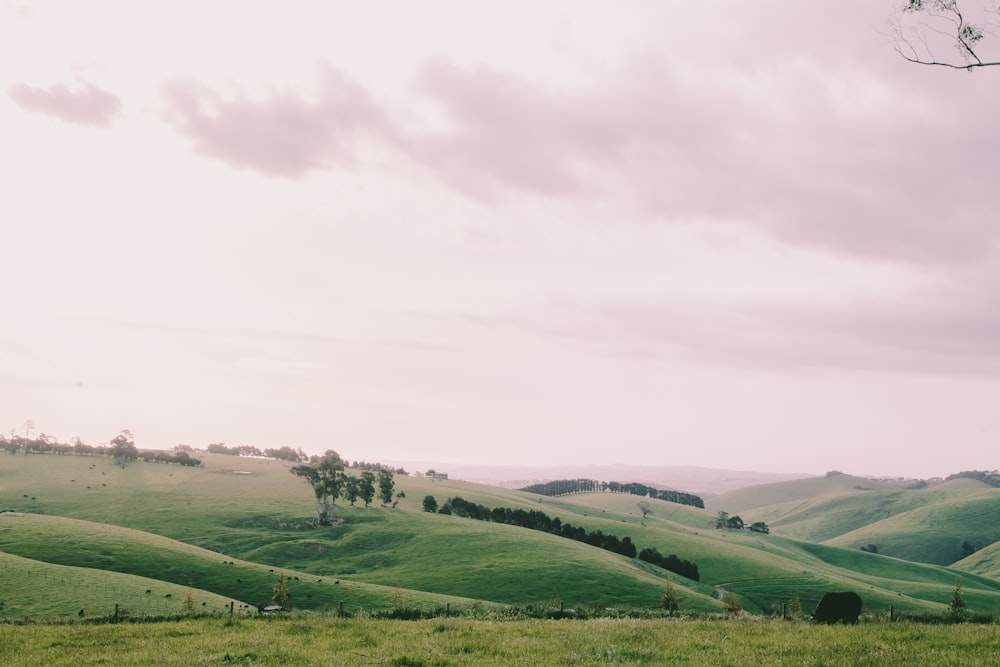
<point x="319" y="640"/>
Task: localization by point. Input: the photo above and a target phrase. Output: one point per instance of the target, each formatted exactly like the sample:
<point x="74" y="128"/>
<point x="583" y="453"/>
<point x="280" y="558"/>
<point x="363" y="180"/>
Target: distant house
<point x="439" y="475"/>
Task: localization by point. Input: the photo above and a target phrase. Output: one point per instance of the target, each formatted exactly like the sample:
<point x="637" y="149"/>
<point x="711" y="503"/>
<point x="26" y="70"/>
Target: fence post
<point x="116" y="611"/>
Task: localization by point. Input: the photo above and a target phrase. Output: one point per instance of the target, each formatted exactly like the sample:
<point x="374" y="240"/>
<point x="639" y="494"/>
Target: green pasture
<point x="297" y="640"/>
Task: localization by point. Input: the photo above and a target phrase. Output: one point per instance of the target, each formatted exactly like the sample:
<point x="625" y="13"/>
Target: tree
<point x="326" y="477"/>
<point x="187" y="604"/>
<point x="957" y="603"/>
<point x="760" y="527"/>
<point x="926" y="28"/>
<point x="430" y="504"/>
<point x="722" y="520"/>
<point x="732" y="604"/>
<point x="280" y="594"/>
<point x="399" y="496"/>
<point x="386" y="485"/>
<point x="123" y="449"/>
<point x="351" y="490"/>
<point x="669" y="599"/>
<point x="366" y="487"/>
<point x="644" y="507"/>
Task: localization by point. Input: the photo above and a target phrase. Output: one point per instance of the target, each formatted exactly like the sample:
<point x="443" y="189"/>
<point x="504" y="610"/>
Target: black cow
<point x="844" y="607"/>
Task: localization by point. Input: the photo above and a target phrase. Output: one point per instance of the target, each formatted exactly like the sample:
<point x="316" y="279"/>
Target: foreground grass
<point x="331" y="641"/>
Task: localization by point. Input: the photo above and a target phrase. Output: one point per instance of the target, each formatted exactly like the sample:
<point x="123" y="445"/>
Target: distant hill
<point x="744" y="499"/>
<point x="692" y="479"/>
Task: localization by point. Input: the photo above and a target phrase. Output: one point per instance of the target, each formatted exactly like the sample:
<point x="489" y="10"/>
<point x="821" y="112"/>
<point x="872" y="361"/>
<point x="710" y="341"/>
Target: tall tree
<point x="326" y="477"/>
<point x="386" y="485"/>
<point x="123" y="448"/>
<point x="366" y="487"/>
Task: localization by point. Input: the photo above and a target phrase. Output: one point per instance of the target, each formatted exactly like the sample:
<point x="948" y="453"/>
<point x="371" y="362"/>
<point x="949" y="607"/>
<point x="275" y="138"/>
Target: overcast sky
<point x="744" y="235"/>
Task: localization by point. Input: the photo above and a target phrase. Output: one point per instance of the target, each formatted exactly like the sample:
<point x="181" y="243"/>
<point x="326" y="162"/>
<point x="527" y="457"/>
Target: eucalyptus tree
<point x="326" y="477"/>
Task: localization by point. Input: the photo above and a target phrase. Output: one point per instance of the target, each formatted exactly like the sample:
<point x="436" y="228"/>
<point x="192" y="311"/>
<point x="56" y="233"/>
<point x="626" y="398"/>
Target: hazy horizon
<point x="744" y="236"/>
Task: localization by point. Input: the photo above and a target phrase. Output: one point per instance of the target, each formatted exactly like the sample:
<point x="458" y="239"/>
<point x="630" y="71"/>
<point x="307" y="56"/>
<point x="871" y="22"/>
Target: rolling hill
<point x="231" y="527"/>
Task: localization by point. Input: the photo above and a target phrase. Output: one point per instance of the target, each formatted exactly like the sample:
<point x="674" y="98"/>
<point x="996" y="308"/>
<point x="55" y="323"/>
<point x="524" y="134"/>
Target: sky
<point x="735" y="235"/>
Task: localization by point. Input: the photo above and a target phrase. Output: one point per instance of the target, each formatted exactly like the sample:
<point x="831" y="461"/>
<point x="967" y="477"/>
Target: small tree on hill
<point x="669" y="599"/>
<point x="280" y="594"/>
<point x="386" y="486"/>
<point x="644" y="507"/>
<point x="366" y="487"/>
<point x="430" y="504"/>
<point x="732" y="604"/>
<point x="187" y="604"/>
<point x="957" y="604"/>
<point x="399" y="496"/>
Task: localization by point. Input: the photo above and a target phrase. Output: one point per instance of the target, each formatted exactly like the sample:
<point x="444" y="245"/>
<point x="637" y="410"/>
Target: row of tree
<point x="120" y="448"/>
<point x="284" y="453"/>
<point x="563" y="487"/>
<point x="329" y="481"/>
<point x="535" y="520"/>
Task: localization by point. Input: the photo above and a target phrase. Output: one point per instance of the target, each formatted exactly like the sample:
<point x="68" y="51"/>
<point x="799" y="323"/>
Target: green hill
<point x="40" y="590"/>
<point x="232" y="526"/>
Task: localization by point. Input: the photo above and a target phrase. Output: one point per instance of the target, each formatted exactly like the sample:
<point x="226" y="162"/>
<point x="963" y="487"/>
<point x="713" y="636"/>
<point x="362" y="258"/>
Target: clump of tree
<point x="329" y="480"/>
<point x="725" y="522"/>
<point x="563" y="487"/>
<point x="536" y="520"/>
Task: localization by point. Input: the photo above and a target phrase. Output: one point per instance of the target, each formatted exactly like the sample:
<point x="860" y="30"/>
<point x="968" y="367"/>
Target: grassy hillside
<point x="37" y="590"/>
<point x="103" y="547"/>
<point x="935" y="524"/>
<point x="233" y="525"/>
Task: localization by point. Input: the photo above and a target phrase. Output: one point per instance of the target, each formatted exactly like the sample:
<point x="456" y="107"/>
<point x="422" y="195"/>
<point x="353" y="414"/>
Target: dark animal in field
<point x="842" y="606"/>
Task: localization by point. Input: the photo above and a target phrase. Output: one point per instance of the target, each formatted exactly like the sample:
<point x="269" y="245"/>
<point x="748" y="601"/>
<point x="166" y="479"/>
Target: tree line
<point x="563" y="487"/>
<point x="120" y="448"/>
<point x="536" y="520"/>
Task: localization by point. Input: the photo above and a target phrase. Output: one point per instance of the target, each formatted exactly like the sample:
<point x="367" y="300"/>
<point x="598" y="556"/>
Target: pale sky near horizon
<point x="739" y="235"/>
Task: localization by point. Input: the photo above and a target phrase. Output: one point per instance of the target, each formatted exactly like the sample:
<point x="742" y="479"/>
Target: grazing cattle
<point x="843" y="606"/>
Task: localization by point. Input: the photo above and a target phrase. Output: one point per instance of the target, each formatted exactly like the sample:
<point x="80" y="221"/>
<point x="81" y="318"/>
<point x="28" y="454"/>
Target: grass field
<point x="307" y="641"/>
<point x="231" y="527"/>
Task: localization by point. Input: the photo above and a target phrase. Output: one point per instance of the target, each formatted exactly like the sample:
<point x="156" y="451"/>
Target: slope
<point x="42" y="591"/>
